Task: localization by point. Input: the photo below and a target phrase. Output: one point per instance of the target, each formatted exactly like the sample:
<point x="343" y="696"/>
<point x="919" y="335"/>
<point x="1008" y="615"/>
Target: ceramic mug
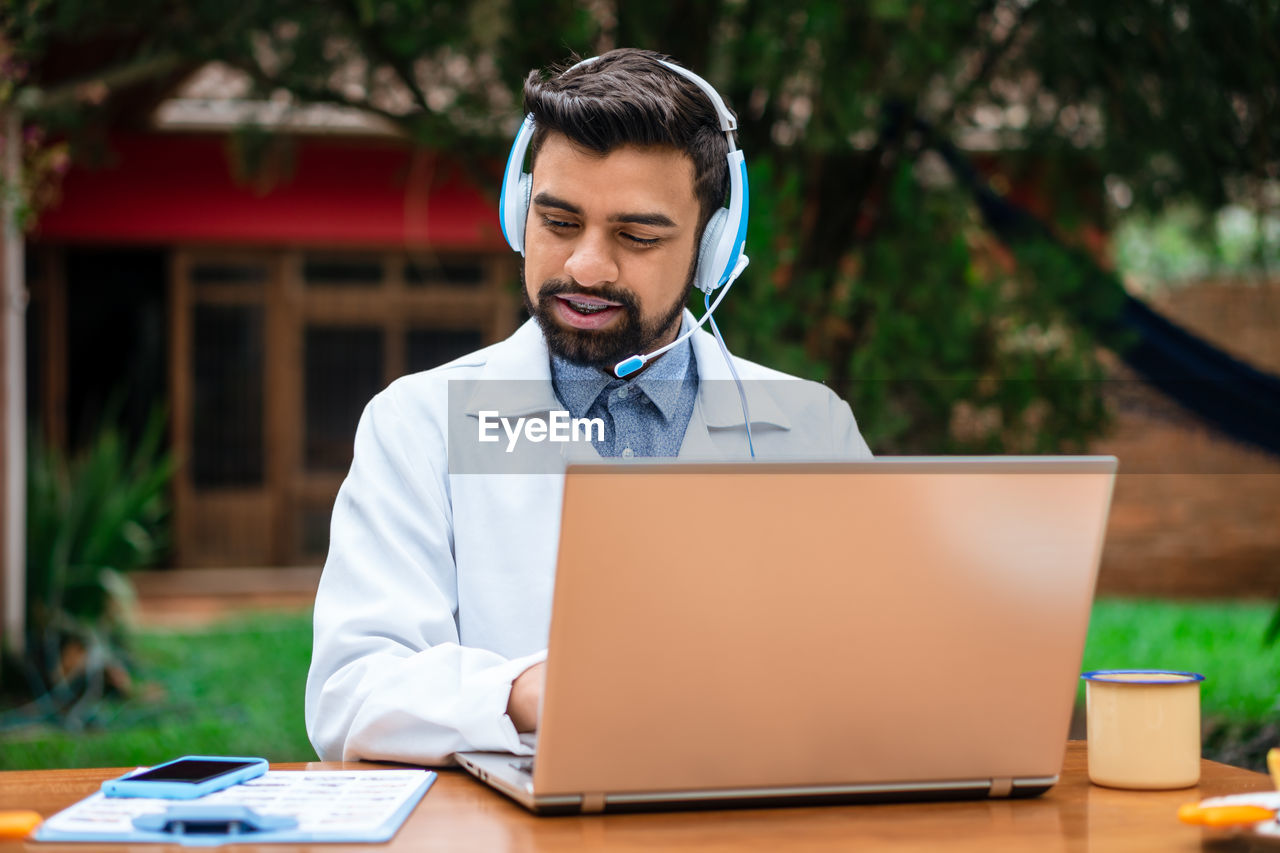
<point x="1143" y="728"/>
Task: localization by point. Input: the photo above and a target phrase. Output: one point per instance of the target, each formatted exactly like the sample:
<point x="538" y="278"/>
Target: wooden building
<point x="263" y="315"/>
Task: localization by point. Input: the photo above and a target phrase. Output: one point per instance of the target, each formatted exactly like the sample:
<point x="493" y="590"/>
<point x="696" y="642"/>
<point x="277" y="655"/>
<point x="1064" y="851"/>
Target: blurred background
<point x="1020" y="226"/>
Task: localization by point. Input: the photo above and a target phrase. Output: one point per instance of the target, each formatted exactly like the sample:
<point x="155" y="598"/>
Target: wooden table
<point x="459" y="813"/>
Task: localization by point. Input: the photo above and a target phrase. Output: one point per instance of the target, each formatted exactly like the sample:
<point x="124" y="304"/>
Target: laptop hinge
<point x="592" y="803"/>
<point x="1001" y="787"/>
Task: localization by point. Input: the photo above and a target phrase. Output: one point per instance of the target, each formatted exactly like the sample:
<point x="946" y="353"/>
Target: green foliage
<point x="1185" y="243"/>
<point x="91" y="519"/>
<point x="941" y="343"/>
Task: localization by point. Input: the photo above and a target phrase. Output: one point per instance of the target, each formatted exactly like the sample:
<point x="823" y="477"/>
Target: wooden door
<point x="275" y="354"/>
<point x="226" y="495"/>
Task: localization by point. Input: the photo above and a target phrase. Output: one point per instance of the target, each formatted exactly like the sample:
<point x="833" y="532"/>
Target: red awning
<point x="171" y="188"/>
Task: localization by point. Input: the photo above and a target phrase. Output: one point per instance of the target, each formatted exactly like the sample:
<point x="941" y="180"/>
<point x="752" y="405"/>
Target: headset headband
<point x="728" y="123"/>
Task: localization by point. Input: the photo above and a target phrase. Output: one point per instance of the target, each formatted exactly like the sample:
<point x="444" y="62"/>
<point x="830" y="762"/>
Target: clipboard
<point x="281" y="806"/>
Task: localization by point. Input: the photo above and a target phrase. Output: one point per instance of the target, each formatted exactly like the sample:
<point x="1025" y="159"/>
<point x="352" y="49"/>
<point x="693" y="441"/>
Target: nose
<point x="592" y="263"/>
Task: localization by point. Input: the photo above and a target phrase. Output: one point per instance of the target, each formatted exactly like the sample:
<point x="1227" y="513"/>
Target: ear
<point x="707" y="278"/>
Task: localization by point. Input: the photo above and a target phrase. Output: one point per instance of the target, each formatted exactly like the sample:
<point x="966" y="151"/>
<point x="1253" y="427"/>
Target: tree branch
<point x="992" y="58"/>
<point x="318" y="95"/>
<point x="97" y="87"/>
<point x="370" y="38"/>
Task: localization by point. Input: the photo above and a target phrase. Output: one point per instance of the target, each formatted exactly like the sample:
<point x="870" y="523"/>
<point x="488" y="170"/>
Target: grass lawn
<point x="236" y="688"/>
<point x="232" y="689"/>
<point x="1222" y="641"/>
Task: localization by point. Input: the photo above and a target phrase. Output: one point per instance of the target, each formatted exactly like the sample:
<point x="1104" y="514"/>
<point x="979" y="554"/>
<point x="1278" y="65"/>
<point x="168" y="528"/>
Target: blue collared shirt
<point x="644" y="416"/>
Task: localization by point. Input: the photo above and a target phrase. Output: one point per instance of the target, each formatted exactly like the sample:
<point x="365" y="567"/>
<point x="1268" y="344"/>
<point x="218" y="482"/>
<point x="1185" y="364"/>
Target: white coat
<point x="436" y="592"/>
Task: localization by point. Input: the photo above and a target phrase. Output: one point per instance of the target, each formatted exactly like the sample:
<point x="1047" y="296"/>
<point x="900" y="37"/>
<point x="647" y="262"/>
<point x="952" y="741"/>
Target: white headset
<point x="720" y="257"/>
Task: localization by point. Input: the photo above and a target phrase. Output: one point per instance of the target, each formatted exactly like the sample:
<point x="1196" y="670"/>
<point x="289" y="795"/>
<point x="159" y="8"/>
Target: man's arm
<point x="389" y="678"/>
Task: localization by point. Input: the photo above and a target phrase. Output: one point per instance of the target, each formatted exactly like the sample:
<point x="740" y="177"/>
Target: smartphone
<point x="185" y="778"/>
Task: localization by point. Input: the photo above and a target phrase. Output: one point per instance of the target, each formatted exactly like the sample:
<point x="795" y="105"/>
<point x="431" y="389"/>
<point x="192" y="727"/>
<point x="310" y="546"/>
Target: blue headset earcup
<point x="707" y="278"/>
<point x="522" y="212"/>
<point x="513" y="203"/>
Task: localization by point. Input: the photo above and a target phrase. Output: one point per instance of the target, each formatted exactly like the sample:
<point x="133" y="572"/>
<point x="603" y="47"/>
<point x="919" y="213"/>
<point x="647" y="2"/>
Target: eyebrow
<point x="658" y="220"/>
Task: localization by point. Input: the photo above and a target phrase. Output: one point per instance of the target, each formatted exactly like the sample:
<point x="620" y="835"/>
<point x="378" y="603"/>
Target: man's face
<point x="609" y="249"/>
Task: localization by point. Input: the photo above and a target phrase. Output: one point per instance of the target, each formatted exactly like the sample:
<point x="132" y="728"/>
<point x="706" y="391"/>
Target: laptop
<point x="773" y="633"/>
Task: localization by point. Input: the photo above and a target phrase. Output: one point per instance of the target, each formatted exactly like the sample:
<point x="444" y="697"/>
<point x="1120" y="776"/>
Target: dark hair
<point x="626" y="97"/>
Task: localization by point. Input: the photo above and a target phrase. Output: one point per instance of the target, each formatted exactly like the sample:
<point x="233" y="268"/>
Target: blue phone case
<point x="125" y="786"/>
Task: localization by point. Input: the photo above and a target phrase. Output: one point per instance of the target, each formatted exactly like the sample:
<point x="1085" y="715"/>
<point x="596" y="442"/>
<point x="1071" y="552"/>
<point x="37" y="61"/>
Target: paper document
<point x="328" y="805"/>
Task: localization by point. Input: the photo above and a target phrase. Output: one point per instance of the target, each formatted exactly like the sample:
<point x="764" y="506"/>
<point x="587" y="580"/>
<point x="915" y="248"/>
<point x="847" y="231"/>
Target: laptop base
<point x="499" y="770"/>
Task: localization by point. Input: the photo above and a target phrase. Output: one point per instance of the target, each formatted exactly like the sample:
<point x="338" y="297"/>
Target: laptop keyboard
<point x="524" y="765"/>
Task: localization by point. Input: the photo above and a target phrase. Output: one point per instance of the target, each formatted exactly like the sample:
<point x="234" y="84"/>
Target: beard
<point x="602" y="348"/>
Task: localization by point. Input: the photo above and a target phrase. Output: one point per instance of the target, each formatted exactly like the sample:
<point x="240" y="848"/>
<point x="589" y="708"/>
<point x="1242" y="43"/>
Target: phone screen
<point x="189" y="770"/>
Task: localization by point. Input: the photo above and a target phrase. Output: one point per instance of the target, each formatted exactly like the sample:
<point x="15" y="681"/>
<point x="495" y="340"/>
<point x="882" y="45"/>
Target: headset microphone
<point x="628" y="366"/>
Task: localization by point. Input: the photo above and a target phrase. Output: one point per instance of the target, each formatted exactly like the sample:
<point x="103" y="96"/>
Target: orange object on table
<point x="18" y="824"/>
<point x="1224" y="816"/>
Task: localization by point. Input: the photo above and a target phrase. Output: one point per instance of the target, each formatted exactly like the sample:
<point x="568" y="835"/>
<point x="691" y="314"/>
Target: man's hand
<point x="526" y="696"/>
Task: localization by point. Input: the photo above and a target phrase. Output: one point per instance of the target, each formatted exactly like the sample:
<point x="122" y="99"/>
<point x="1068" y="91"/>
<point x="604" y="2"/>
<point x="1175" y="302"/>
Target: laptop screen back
<point x="719" y="627"/>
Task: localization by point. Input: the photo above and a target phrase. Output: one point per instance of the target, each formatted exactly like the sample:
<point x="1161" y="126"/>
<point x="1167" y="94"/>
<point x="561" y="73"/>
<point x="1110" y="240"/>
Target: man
<point x="432" y="614"/>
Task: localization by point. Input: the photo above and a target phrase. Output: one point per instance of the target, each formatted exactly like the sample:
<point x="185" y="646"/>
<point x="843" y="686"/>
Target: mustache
<point x="553" y="287"/>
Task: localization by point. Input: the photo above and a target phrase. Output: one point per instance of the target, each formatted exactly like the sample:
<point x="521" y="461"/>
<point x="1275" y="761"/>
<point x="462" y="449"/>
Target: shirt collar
<point x="578" y="386"/>
<point x="665" y="378"/>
